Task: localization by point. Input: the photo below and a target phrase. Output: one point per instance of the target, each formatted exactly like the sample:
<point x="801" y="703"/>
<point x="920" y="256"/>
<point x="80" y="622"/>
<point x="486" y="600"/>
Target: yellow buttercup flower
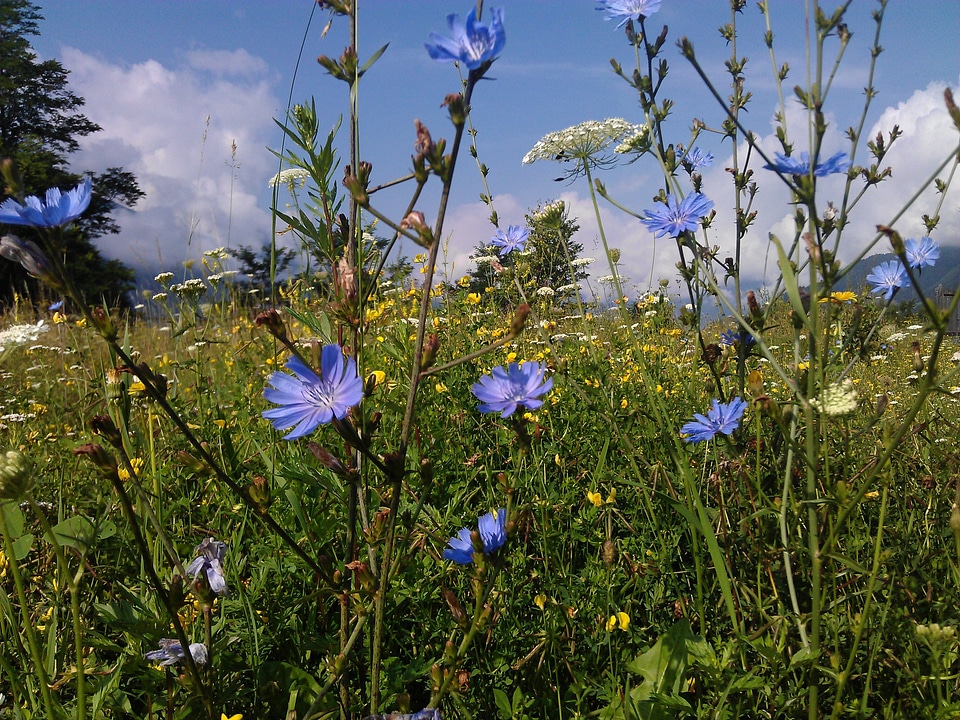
<point x="595" y="498"/>
<point x="238" y="716"/>
<point x="540" y="601"/>
<point x="473" y="299"/>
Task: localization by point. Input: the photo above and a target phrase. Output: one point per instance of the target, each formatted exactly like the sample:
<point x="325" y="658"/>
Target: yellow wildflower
<point x="595" y="498"/>
<point x="473" y="299"/>
<point x="540" y="601"/>
<point x="620" y="619"/>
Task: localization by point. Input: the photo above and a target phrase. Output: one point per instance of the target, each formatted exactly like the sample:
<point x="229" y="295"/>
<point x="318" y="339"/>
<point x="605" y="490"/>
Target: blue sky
<point x="154" y="72"/>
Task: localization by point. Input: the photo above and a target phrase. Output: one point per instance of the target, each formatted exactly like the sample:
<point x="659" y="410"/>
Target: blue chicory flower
<point x="472" y="43"/>
<point x="514" y="238"/>
<point x="57" y="209"/>
<point x="504" y="389"/>
<point x="922" y="253"/>
<point x="695" y="158"/>
<point x="210" y="554"/>
<point x="171" y="652"/>
<point x="720" y="418"/>
<point x="678" y="217"/>
<point x="492" y="528"/>
<point x="887" y="278"/>
<point x="628" y="9"/>
<point x="310" y="400"/>
<point x="733" y="338"/>
<point x="801" y="165"/>
<point x="56" y="306"/>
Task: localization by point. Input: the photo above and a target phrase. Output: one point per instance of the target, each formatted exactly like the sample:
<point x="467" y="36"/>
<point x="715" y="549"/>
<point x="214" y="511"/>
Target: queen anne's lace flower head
<point x="586" y="142"/>
<point x="837" y="399"/>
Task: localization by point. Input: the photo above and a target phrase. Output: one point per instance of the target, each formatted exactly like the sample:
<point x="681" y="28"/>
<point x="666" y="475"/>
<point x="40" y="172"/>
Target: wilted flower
<point x="514" y="238"/>
<point x="492" y="529"/>
<point x="30" y="257"/>
<point x="55" y="210"/>
<point x="789" y="165"/>
<point x="310" y="400"/>
<point x="628" y="9"/>
<point x="720" y="418"/>
<point x="922" y="253"/>
<point x="472" y="43"/>
<point x="171" y="652"/>
<point x="679" y="217"/>
<point x="504" y="389"/>
<point x="210" y="554"/>
<point x="887" y="278"/>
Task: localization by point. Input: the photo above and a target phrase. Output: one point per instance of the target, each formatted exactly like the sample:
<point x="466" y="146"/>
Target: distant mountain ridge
<point x="946" y="272"/>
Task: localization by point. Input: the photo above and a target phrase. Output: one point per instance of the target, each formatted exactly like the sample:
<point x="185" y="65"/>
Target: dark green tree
<point x="257" y="266"/>
<point x="548" y="258"/>
<point x="40" y="123"/>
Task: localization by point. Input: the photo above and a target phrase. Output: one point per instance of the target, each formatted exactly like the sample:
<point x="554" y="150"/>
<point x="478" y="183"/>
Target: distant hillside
<point x="946" y="272"/>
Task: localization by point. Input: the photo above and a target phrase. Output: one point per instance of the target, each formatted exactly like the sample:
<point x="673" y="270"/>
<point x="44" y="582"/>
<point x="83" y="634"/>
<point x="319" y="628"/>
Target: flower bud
<point x="424" y="144"/>
<point x="271" y="320"/>
<point x="416" y="222"/>
<point x="456" y="609"/>
<point x="103" y="324"/>
<point x="519" y="319"/>
<point x="259" y="493"/>
<point x="103" y="461"/>
<point x="430" y="350"/>
<point x="609" y="553"/>
<point x="16" y="475"/>
<point x="327" y="459"/>
<point x="30" y="257"/>
<point x="455" y="106"/>
<point x="104" y="426"/>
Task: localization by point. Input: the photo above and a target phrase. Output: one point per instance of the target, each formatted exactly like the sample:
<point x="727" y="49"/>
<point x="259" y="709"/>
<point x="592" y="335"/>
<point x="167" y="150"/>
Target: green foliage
<point x="40" y="123"/>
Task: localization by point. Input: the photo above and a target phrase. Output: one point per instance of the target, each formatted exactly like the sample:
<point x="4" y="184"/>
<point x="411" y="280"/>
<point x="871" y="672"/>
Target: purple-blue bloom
<point x="922" y="253"/>
<point x="492" y="528"/>
<point x="789" y="165"/>
<point x="697" y="159"/>
<point x="514" y="238"/>
<point x="504" y="389"/>
<point x="57" y="209"/>
<point x="171" y="652"/>
<point x="720" y="418"/>
<point x="887" y="278"/>
<point x="472" y="44"/>
<point x="210" y="554"/>
<point x="678" y="218"/>
<point x="310" y="400"/>
<point x="733" y="338"/>
<point x="628" y="9"/>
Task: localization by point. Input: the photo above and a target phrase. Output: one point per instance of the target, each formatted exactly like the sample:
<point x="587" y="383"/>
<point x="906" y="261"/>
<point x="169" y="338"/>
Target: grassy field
<point x="608" y="587"/>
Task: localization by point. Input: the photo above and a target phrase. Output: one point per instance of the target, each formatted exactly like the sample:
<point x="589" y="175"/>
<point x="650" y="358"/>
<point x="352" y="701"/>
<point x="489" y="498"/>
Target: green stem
<point x="28" y="628"/>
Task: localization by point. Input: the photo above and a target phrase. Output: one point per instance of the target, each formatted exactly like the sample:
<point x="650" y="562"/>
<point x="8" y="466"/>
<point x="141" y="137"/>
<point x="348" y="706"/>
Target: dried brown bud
<point x="271" y="320"/>
<point x="424" y="144"/>
<point x="609" y="553"/>
<point x="99" y="457"/>
<point x="104" y="426"/>
<point x="430" y="350"/>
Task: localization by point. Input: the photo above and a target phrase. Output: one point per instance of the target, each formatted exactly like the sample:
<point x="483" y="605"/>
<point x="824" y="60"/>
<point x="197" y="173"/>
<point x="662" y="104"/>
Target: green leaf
<point x="789" y="279"/>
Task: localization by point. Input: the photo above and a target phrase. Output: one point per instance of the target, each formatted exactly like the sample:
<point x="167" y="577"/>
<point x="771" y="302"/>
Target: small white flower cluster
<point x="581" y="141"/>
<point x="16" y="335"/>
<point x="217" y="277"/>
<point x="289" y="177"/>
<point x="545" y="292"/>
<point x="568" y="288"/>
<point x="583" y="262"/>
<point x="219" y="253"/>
<point x="837" y="399"/>
<point x="606" y="279"/>
<point x="164" y="278"/>
<point x="195" y="287"/>
<point x="484" y="259"/>
<point x="638" y="141"/>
